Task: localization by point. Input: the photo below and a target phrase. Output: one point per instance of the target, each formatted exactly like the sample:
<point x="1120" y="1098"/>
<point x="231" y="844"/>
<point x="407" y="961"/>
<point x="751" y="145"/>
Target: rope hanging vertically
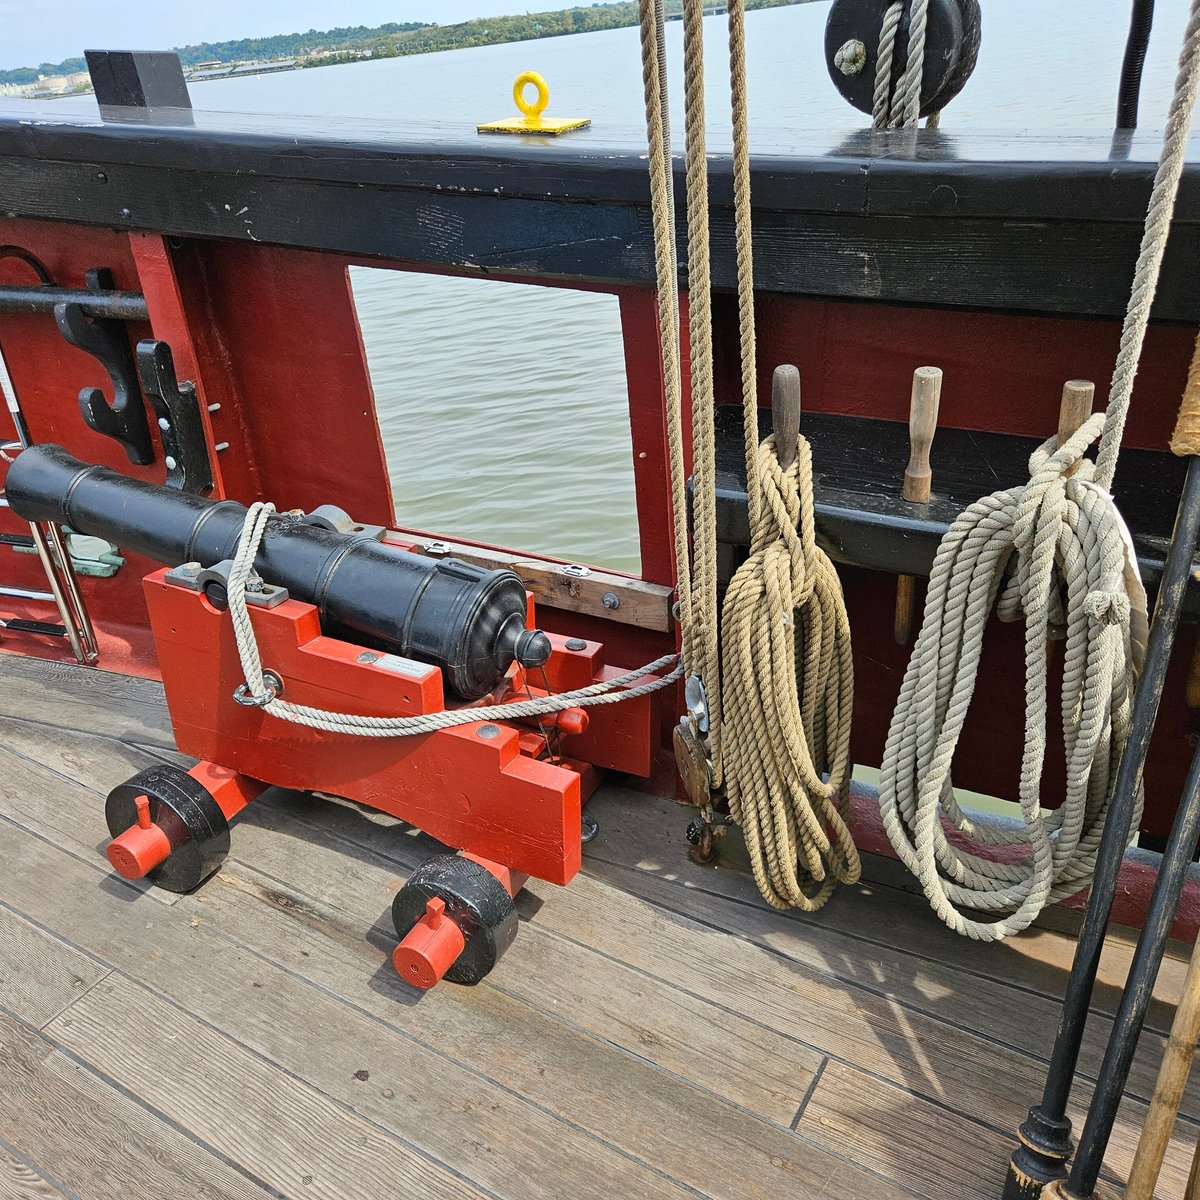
<point x="787" y="669"/>
<point x="1066" y="535"/>
<point x="900" y="107"/>
<point x="778" y="686"/>
<point x="702" y="618"/>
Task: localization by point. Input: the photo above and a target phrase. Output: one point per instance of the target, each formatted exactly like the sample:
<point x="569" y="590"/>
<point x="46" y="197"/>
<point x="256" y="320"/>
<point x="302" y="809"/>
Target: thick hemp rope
<point x="1066" y="534"/>
<point x="262" y="693"/>
<point x="779" y="712"/>
<point x="789" y="684"/>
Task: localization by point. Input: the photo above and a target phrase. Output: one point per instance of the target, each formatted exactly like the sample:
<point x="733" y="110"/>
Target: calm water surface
<point x="503" y="407"/>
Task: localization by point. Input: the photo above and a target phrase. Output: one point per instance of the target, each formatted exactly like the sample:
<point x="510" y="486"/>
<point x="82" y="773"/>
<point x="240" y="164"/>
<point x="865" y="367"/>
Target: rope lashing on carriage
<point x="627" y="686"/>
<point x="261" y="691"/>
<point x="779" y="685"/>
<point x="1068" y="541"/>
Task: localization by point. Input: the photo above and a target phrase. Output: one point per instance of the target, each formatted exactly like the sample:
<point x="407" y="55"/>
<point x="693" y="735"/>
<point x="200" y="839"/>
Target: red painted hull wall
<point x="270" y="336"/>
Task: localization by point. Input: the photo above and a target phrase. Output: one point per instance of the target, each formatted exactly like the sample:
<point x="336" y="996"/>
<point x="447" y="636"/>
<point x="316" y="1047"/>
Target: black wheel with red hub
<point x="475" y="900"/>
<point x="177" y="808"/>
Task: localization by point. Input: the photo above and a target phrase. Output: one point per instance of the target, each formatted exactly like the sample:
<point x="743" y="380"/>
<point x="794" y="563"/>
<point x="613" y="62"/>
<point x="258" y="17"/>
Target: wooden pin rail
<point x="566" y="585"/>
<point x="862" y="519"/>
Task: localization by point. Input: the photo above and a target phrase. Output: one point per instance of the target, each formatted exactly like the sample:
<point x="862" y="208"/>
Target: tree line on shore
<point x="352" y="43"/>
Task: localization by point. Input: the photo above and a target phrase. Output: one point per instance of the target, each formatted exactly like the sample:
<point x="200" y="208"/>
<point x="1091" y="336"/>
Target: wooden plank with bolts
<point x="646" y="605"/>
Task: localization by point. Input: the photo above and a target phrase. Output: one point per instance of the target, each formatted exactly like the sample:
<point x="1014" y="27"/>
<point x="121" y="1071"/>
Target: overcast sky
<point x="36" y="31"/>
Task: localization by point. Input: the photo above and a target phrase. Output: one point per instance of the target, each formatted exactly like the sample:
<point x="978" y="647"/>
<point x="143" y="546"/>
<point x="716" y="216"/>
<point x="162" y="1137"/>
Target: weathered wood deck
<point x="655" y="1031"/>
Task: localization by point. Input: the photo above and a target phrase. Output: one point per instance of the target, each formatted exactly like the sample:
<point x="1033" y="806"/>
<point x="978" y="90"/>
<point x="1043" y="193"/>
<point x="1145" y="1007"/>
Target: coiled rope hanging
<point x="779" y="686"/>
<point x="1065" y="533"/>
<point x="789" y="691"/>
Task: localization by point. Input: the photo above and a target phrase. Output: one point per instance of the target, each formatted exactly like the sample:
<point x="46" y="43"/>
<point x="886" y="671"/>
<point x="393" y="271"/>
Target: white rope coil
<point x="609" y="691"/>
<point x="1065" y="533"/>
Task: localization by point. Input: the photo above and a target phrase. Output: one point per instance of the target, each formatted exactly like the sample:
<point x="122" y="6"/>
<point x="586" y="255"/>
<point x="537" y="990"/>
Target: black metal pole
<point x="117" y="306"/>
<point x="1045" y="1135"/>
<point x="1139" y="987"/>
<point x="1140" y="21"/>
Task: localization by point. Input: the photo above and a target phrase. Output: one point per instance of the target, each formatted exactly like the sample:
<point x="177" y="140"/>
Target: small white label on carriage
<point x="403" y="666"/>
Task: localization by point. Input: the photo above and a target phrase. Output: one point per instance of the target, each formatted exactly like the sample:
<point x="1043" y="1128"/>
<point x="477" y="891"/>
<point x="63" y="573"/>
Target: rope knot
<point x="1107" y="608"/>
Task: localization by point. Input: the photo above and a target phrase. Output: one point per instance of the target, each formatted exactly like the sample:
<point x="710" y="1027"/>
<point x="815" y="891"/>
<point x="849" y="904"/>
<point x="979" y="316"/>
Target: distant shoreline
<point x="295" y="51"/>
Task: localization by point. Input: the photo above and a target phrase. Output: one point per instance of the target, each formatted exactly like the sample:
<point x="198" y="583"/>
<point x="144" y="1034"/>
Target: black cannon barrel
<point x="466" y="620"/>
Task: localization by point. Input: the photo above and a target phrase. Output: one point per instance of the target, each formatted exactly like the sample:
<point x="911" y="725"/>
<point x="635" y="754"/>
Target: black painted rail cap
<point x="1031" y="223"/>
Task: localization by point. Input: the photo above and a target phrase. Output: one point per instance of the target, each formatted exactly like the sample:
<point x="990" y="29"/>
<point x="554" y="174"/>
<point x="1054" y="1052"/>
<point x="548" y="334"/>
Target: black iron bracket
<point x="124" y="419"/>
<point x="177" y="408"/>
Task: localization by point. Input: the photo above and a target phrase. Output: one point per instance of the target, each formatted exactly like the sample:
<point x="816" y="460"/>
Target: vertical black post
<point x="129" y="84"/>
<point x="1045" y="1134"/>
<point x="1139" y="987"/>
<point x="1140" y="21"/>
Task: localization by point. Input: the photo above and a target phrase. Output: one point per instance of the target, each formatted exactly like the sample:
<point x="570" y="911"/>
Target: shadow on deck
<point x="654" y="1031"/>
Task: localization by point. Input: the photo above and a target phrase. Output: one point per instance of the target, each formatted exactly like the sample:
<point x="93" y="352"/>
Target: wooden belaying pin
<point x="785" y="412"/>
<point x="1074" y="408"/>
<point x="918" y="477"/>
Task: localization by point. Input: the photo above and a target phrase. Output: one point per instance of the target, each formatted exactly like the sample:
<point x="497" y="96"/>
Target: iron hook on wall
<point x="124" y="418"/>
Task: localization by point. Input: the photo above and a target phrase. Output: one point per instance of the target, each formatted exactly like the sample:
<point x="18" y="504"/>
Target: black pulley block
<point x="952" y="34"/>
<point x="184" y="809"/>
<point x="476" y="902"/>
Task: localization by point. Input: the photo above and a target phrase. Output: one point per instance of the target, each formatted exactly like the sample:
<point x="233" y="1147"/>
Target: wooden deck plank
<point x="19" y="1181"/>
<point x="620" y="1097"/>
<point x="285" y="1132"/>
<point x="406" y="849"/>
<point x="1011" y="1076"/>
<point x="933" y="1152"/>
<point x="759" y="1069"/>
<point x="41" y="976"/>
<point x="67" y="697"/>
<point x="47" y="801"/>
<point x="480" y="1125"/>
<point x="487" y="1035"/>
<point x="964" y="1077"/>
<point x="92" y="1139"/>
<point x="1011" y="1017"/>
<point x="914" y="1143"/>
<point x="645" y="833"/>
